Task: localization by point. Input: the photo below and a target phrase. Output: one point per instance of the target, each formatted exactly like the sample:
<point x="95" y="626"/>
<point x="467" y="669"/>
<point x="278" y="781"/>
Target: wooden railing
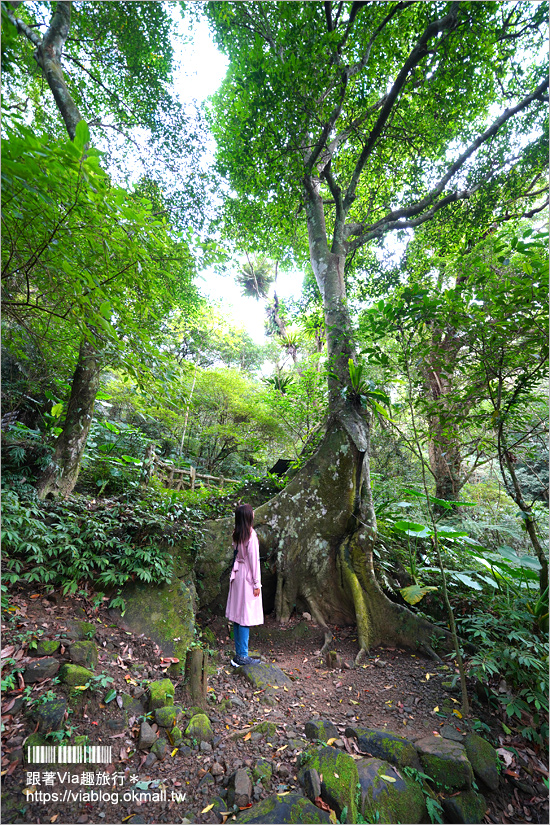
<point x="178" y="478"/>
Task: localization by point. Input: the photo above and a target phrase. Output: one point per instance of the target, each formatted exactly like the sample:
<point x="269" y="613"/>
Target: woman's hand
<point x="256" y="592"/>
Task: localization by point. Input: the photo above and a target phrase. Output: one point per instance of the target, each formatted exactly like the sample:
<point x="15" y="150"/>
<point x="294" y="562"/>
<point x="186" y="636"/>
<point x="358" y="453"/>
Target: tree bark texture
<point x="61" y="475"/>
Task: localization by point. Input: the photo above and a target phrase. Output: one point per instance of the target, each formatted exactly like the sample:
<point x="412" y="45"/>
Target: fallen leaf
<point x="174" y="752"/>
<point x="388" y="778"/>
<point x="247" y="737"/>
<point x="7" y="651"/>
<point x="208" y="808"/>
<point x="321" y="804"/>
<point x="29" y="791"/>
<point x="332" y="740"/>
<point x="436" y="709"/>
<point x="54" y="817"/>
<point x="457" y="713"/>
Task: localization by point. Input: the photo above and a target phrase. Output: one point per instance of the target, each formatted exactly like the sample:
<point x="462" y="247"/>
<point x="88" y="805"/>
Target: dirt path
<point x="394" y="689"/>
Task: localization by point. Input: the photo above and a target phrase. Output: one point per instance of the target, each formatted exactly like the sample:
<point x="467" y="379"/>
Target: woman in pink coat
<point x="244" y="604"/>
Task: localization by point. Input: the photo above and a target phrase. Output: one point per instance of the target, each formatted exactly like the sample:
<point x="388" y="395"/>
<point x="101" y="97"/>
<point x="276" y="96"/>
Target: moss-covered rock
<point x="168" y="717"/>
<point x="267" y="729"/>
<point x="199" y="728"/>
<point x="445" y="762"/>
<point x="132" y="705"/>
<point x="49" y="715"/>
<point x="176" y="736"/>
<point x="386" y="745"/>
<point x="465" y="807"/>
<point x="483" y="759"/>
<point x="262" y="772"/>
<point x="75" y="675"/>
<point x="321" y="729"/>
<point x="33" y="741"/>
<point x="284" y="809"/>
<point x="340" y="778"/>
<point x="389" y="795"/>
<point x="81" y="630"/>
<point x="264" y="676"/>
<point x="46" y="647"/>
<point x="165" y="613"/>
<point x="161" y="694"/>
<point x="160" y="748"/>
<point x="85" y="654"/>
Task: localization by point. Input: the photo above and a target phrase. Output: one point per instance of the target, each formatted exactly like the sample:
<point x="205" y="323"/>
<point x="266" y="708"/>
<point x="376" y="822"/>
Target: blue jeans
<point x="241" y="635"/>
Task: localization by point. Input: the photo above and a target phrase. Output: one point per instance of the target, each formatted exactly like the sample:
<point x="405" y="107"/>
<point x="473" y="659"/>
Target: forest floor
<point x="393" y="689"/>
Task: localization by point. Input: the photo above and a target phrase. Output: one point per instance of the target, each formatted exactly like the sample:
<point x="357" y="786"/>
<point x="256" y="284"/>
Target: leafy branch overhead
<point x="386" y="116"/>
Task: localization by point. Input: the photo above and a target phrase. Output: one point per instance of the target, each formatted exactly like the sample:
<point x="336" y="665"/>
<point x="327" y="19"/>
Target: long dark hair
<point x="244" y="519"/>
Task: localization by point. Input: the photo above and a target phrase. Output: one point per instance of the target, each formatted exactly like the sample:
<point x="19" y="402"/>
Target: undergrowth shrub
<point x="511" y="647"/>
<point x="66" y="544"/>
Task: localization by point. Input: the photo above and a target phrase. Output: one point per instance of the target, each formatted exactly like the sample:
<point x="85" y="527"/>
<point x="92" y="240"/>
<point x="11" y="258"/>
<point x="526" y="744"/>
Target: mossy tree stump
<point x="196" y="676"/>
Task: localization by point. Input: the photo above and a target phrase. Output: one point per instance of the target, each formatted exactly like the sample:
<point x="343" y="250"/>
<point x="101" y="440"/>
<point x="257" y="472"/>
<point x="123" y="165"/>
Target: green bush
<point x="512" y="647"/>
<point x="68" y="543"/>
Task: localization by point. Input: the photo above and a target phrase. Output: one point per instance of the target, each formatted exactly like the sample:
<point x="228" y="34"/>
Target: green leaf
<point x="110" y="696"/>
<point x="467" y="580"/>
<point x="82" y="136"/>
<point x="412" y="528"/>
<point x="415" y="592"/>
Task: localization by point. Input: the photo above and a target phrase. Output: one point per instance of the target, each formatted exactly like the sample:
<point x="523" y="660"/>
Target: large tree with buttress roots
<point x="336" y="125"/>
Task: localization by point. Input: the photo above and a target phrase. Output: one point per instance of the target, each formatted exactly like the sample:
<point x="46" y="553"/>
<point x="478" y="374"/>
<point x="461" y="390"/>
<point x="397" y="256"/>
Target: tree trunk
<point x="60" y="476"/>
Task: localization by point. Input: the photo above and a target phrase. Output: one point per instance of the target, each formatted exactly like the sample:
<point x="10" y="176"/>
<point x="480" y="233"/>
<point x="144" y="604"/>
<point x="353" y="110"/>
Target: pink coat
<point x="242" y="606"/>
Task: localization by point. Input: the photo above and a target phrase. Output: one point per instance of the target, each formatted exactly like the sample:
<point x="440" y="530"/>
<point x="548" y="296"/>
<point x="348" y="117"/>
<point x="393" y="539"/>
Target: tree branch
<point x="416" y="56"/>
<point x="392" y="219"/>
<point x="48" y="56"/>
<point x="22" y="27"/>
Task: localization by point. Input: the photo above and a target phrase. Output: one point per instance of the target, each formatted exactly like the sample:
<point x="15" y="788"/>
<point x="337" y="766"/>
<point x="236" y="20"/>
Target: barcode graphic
<point x="70" y="754"/>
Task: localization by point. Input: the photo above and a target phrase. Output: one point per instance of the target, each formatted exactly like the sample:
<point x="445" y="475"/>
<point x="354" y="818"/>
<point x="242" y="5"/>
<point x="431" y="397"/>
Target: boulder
<point x="74" y="675"/>
<point x="483" y="759"/>
<point x="386" y="745"/>
<point x="239" y="790"/>
<point x="264" y="676"/>
<point x="164" y="613"/>
<point x="388" y="794"/>
<point x="465" y="807"/>
<point x="340" y="779"/>
<point x="42" y="669"/>
<point x="292" y="808"/>
<point x="46" y="647"/>
<point x="445" y="762"/>
<point x="199" y="728"/>
<point x="49" y="715"/>
<point x="84" y="653"/>
<point x="161" y="694"/>
<point x="321" y="729"/>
